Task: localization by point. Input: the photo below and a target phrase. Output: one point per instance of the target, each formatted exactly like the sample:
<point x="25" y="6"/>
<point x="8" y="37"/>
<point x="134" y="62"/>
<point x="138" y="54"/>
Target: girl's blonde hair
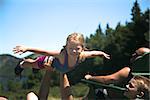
<point x="143" y="85"/>
<point x="77" y="37"/>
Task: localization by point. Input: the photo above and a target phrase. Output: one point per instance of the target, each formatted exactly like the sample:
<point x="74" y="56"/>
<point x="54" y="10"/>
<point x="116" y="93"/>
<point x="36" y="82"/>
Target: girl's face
<point x="74" y="48"/>
<point x="132" y="89"/>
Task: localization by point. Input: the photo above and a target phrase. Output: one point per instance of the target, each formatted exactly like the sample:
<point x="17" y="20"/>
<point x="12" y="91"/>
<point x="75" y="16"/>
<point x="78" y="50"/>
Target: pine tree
<point x="136" y="12"/>
<point x="138" y="26"/>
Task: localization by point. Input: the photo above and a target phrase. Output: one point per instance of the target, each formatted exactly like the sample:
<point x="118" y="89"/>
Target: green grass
<point x="78" y="91"/>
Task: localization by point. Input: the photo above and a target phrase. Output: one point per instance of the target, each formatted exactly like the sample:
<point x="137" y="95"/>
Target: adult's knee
<point x="32" y="96"/>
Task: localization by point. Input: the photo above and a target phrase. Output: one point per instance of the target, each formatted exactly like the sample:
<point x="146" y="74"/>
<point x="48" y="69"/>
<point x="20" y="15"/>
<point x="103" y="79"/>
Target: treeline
<point x="122" y="41"/>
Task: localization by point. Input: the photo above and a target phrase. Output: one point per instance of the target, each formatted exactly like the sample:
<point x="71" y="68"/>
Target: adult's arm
<point x="65" y="88"/>
<point x="45" y="86"/>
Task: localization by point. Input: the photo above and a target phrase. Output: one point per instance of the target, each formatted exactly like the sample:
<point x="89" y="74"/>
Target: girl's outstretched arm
<point x="89" y="54"/>
<point x="23" y="49"/>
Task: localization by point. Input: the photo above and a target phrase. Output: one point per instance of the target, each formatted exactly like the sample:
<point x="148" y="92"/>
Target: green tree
<point x="108" y="30"/>
<point x="14" y="86"/>
<point x="117" y="44"/>
<point x="136" y="12"/>
<point x="146" y="21"/>
<point x="139" y="26"/>
<point x="96" y="41"/>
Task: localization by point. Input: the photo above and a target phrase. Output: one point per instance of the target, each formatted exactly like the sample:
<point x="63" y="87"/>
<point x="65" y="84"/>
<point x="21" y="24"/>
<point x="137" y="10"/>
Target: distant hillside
<point x="10" y="83"/>
<point x="7" y="65"/>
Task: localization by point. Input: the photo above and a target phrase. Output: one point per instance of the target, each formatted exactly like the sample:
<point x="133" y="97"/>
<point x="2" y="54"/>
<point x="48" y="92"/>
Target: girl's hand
<point x="20" y="49"/>
<point x="106" y="56"/>
<point x="87" y="77"/>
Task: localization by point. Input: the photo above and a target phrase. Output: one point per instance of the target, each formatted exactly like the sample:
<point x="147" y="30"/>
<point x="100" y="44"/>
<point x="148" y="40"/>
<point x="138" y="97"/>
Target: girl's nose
<point x="74" y="51"/>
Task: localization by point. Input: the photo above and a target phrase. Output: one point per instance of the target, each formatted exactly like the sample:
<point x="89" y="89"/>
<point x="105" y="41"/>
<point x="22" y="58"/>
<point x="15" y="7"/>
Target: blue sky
<point x="47" y="23"/>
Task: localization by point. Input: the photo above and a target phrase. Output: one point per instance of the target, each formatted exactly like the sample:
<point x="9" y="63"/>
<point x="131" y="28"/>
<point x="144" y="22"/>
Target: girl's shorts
<point x="44" y="61"/>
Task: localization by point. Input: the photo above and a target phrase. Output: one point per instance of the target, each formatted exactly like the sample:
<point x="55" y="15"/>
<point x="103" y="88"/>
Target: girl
<point x="65" y="60"/>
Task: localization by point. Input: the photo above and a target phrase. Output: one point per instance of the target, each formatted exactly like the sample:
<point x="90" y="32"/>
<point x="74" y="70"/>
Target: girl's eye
<point x="78" y="48"/>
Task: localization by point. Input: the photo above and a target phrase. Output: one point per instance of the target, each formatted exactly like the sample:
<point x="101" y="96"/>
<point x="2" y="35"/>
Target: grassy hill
<point x="7" y="65"/>
<point x="9" y="83"/>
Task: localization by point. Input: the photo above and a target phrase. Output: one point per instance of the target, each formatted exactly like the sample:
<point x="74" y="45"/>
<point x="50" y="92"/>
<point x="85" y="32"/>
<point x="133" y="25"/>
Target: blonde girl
<point x="64" y="60"/>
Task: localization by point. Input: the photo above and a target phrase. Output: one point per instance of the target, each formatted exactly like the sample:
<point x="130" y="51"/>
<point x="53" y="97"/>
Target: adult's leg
<point x="65" y="88"/>
<point x="44" y="88"/>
